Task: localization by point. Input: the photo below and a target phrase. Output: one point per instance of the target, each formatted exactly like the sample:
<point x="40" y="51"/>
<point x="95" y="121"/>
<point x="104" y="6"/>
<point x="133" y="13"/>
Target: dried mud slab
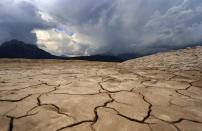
<point x="44" y="118"/>
<point x="109" y="121"/>
<point x="131" y="105"/>
<point x="189" y="126"/>
<point x="79" y="107"/>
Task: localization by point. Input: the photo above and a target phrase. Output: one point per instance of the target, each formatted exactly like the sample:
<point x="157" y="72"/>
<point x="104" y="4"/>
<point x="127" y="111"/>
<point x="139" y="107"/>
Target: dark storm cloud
<point x="105" y="26"/>
<point x="18" y="19"/>
<point x="120" y="26"/>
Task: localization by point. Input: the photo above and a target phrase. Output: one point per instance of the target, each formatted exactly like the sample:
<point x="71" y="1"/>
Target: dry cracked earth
<point x="161" y="92"/>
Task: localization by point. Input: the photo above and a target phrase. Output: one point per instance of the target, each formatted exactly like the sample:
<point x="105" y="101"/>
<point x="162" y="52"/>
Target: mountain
<point x="19" y="49"/>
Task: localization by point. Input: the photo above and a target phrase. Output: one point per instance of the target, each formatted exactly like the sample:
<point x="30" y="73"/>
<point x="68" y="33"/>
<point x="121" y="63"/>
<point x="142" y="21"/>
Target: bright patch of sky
<point x="58" y="42"/>
<point x="70" y="33"/>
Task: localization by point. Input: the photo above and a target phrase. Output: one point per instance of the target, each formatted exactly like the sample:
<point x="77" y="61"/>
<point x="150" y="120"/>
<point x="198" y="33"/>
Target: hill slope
<point x="19" y="49"/>
<point x="183" y="59"/>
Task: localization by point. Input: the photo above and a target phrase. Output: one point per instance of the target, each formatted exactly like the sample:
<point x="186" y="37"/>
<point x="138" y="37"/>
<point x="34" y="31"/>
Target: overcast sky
<point x="86" y="27"/>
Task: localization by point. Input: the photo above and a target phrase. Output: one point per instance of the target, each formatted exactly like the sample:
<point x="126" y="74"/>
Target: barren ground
<point x="162" y="92"/>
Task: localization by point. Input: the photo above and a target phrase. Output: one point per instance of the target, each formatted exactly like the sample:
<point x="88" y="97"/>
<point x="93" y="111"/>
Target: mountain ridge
<point x="19" y="49"/>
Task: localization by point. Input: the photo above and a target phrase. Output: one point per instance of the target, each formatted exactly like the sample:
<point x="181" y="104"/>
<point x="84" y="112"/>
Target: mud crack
<point x="90" y="121"/>
<point x="7" y="100"/>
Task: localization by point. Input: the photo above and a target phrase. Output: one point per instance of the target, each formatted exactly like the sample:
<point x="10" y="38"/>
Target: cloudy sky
<point x="86" y="27"/>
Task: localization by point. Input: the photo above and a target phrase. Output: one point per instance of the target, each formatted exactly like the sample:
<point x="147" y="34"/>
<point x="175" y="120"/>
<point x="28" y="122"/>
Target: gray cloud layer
<point x="18" y="19"/>
<point x="120" y="26"/>
<point x="112" y="26"/>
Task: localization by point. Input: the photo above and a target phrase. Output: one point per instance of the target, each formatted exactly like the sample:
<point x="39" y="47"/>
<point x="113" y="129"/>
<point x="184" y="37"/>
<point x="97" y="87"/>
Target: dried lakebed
<point x="157" y="92"/>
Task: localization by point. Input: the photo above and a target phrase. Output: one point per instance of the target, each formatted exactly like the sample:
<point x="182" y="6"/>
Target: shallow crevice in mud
<point x="118" y="113"/>
<point x="81" y="94"/>
<point x="186" y="89"/>
<point x="171" y="78"/>
<point x="131" y="91"/>
<point x="177" y="91"/>
<point x="177" y="121"/>
<point x="17" y="100"/>
<point x="101" y="86"/>
<point x="182" y="119"/>
<point x="38" y="100"/>
<point x="28" y="87"/>
<point x="11" y="123"/>
<point x="54" y="89"/>
<point x="128" y="118"/>
<point x="75" y="124"/>
<point x="10" y="110"/>
<point x="57" y="109"/>
<point x="53" y="105"/>
<point x="12" y="119"/>
<point x="87" y="94"/>
<point x="93" y="121"/>
<point x="149" y="108"/>
<point x="38" y="104"/>
<point x="121" y="103"/>
<point x="77" y="94"/>
<point x="131" y="119"/>
<point x="176" y="127"/>
<point x="27" y="115"/>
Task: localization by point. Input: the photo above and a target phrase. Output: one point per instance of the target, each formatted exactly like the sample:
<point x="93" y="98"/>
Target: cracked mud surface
<point x="153" y="93"/>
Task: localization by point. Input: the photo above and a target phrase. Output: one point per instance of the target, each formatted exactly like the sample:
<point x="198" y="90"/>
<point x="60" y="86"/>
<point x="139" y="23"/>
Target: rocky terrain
<point x="161" y="92"/>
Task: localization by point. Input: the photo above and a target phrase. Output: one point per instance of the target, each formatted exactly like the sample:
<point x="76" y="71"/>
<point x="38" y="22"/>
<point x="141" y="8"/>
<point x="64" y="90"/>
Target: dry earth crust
<point x="161" y="92"/>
